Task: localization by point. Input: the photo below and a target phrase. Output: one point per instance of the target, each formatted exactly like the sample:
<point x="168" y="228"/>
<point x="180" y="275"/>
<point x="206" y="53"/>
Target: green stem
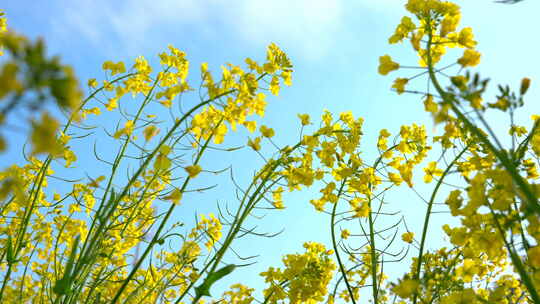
<point x="516" y="260"/>
<point x="507" y="164"/>
<point x="501" y="155"/>
<point x="428" y="215"/>
<point x="90" y="240"/>
<point x="334" y="244"/>
<point x="243" y="212"/>
<point x="157" y="235"/>
<point x="373" y="256"/>
<point x="5" y="280"/>
<point x="373" y="252"/>
<point x="237" y="224"/>
<point x="36" y="187"/>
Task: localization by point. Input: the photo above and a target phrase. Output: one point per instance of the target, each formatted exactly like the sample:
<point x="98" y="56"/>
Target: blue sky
<point x="334" y="46"/>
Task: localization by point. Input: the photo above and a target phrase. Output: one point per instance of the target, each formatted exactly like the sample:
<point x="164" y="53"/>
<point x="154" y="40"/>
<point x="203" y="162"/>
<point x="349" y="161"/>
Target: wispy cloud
<point x="112" y="25"/>
<point x="307" y="25"/>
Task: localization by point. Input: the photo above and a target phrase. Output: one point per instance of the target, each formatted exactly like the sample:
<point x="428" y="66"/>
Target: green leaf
<point x="10" y="258"/>
<point x="63" y="285"/>
<point x="204" y="288"/>
<point x="522" y="148"/>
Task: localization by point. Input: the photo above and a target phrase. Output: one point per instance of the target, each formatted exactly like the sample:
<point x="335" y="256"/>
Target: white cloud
<point x="111" y="25"/>
<point x="307" y="25"/>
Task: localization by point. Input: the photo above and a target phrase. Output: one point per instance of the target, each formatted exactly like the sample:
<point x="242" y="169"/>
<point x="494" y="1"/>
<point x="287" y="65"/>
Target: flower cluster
<point x="305" y="278"/>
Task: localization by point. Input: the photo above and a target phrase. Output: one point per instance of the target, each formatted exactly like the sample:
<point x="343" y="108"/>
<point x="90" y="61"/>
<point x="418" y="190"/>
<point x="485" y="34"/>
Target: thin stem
<point x="157" y="235"/>
<point x="507" y="164"/>
<point x="428" y="215"/>
<point x="336" y="248"/>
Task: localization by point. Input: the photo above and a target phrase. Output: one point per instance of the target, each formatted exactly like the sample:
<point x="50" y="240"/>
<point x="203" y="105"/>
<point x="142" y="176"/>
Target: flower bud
<point x="525" y="83"/>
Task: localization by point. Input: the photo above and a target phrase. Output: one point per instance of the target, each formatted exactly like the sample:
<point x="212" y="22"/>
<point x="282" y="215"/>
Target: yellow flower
<point x="250" y="125"/>
<point x="44" y="134"/>
<point x="408" y="237"/>
<point x="274" y="86"/>
<point x="465" y="296"/>
<point x="308" y="275"/>
<point x="126" y="130"/>
<point x="403" y="29"/>
<point x="304" y="119"/>
<point x="150" y="132"/>
<point x="175" y="196"/>
<point x="277" y="198"/>
<point x="128" y="126"/>
<point x="94" y="110"/>
<point x="70" y="157"/>
<point x="430" y="105"/>
<point x="469" y="58"/>
<point x="345" y="233"/>
<point x="327" y="118"/>
<point x="267" y="132"/>
<point x="415" y="40"/>
<point x="162" y="162"/>
<point x="386" y="65"/>
<point x="142" y="66"/>
<point x="239" y="294"/>
<point x="193" y="170"/>
<point x="406" y="288"/>
<point x="360" y="207"/>
<point x="405" y="171"/>
<point x="219" y="135"/>
<point x="115" y="68"/>
<point x="395" y="178"/>
<point x="278" y="205"/>
<point x="431" y="171"/>
<point x="56" y="197"/>
<point x="112" y="104"/>
<point x="466" y="38"/>
<point x="211" y="227"/>
<point x="108" y="86"/>
<point x="287" y="78"/>
<point x="166" y="103"/>
<point x="468" y="270"/>
<point x="74" y="208"/>
<point x="449" y="24"/>
<point x="3" y="28"/>
<point x="92" y="83"/>
<point x="3" y="22"/>
<point x="399" y="84"/>
<point x="382" y="142"/>
<point x="255" y="144"/>
<point x="417" y="7"/>
<point x="269" y="68"/>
